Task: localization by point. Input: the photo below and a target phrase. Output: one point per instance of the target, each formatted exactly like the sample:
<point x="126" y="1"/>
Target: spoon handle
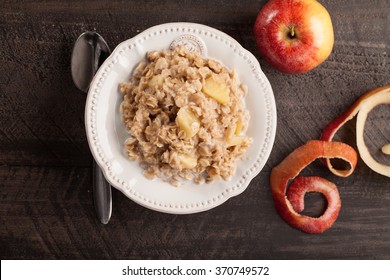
<point x="101" y="195"/>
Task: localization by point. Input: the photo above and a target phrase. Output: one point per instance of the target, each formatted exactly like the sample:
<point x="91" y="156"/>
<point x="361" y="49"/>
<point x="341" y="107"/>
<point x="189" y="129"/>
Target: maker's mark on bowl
<point x="191" y="42"/>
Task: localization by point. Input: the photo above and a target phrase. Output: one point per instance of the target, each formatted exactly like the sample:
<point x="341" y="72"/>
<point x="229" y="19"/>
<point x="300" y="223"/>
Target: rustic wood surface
<point x="45" y="164"/>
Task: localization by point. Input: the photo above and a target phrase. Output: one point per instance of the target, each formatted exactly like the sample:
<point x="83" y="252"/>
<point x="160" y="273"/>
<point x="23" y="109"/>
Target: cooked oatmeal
<point x="185" y="116"/>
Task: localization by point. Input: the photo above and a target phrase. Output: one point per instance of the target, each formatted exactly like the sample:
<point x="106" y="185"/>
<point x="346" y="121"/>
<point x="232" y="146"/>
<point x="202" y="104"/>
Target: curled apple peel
<point x="361" y="108"/>
<point x="290" y="200"/>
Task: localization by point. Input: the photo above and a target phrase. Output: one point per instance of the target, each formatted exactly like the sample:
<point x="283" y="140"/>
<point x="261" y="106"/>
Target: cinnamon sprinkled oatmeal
<point x="185" y="116"/>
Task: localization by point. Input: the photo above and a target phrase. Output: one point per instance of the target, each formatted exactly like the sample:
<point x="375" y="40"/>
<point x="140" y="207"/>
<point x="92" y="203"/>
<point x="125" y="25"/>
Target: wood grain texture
<point x="46" y="209"/>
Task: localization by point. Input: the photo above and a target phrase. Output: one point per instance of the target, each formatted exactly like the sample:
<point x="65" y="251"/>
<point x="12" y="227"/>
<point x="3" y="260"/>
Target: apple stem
<point x="292" y="31"/>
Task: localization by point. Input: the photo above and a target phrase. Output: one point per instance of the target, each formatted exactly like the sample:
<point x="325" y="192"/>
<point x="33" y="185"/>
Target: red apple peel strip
<point x="289" y="201"/>
<point x="361" y="108"/>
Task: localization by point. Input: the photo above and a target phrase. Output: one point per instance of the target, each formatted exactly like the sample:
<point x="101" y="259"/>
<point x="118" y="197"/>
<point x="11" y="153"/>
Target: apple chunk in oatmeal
<point x="185" y="117"/>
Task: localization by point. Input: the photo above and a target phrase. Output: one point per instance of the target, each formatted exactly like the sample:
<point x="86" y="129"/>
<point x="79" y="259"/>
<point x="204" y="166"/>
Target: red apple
<point x="294" y="36"/>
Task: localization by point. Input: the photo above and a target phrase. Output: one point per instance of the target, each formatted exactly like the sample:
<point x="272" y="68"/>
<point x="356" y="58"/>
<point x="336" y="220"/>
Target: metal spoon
<point x="89" y="52"/>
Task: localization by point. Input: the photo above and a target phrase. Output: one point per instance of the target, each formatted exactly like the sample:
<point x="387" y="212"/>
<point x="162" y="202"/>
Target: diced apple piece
<point x="156" y="80"/>
<point x="188" y="161"/>
<point x="239" y="127"/>
<point x="216" y="90"/>
<point x="234" y="140"/>
<point x="188" y="122"/>
<point x="386" y="149"/>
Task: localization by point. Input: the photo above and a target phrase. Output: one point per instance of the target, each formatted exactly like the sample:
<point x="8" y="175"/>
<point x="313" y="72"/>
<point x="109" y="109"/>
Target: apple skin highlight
<point x="294" y="36"/>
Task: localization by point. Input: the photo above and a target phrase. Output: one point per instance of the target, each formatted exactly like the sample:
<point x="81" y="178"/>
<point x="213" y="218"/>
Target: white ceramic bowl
<point x="106" y="133"/>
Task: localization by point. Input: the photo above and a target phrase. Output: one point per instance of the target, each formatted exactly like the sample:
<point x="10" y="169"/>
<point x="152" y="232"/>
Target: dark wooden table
<point x="45" y="164"/>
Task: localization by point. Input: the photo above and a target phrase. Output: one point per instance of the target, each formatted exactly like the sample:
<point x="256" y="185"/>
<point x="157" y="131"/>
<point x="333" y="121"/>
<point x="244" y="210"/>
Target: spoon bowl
<point x="89" y="52"/>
